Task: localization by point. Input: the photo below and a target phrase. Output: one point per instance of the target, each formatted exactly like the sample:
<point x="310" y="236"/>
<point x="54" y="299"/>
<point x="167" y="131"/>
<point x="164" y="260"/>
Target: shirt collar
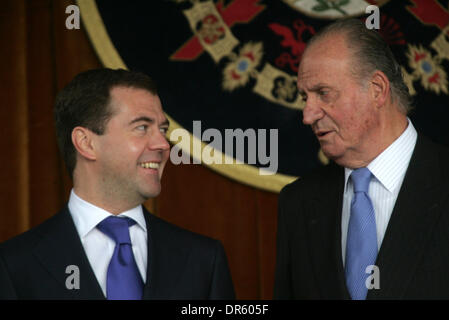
<point x="390" y="166"/>
<point x="86" y="216"/>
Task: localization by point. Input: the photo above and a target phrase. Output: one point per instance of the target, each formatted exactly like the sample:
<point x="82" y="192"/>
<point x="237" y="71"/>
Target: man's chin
<point x="151" y="193"/>
<point x="332" y="154"/>
<point x="328" y="151"/>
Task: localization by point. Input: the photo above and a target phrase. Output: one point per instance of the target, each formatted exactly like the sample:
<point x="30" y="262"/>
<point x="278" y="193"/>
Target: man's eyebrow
<point x="165" y="123"/>
<point x="139" y="119"/>
<point x="315" y="88"/>
<point x="149" y="120"/>
<point x="319" y="86"/>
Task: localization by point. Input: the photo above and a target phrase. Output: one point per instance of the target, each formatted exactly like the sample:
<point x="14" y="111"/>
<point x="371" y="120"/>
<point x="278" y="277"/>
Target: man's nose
<point x="159" y="141"/>
<point x="311" y="112"/>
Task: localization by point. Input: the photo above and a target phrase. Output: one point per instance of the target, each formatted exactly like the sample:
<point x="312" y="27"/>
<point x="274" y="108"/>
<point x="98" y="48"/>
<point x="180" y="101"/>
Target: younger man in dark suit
<point x="375" y="223"/>
<point x="104" y="244"/>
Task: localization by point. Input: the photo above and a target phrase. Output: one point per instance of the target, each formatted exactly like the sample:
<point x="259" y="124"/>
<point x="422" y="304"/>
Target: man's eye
<point x="303" y="97"/>
<point x="164" y="130"/>
<point x="324" y="95"/>
<point x="143" y="127"/>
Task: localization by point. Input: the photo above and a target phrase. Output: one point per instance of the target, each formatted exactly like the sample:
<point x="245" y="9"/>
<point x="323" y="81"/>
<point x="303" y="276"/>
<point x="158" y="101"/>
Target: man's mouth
<point x="149" y="165"/>
<point x="322" y="133"/>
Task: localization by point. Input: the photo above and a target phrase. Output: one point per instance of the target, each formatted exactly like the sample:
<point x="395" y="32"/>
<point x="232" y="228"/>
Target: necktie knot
<point x="361" y="178"/>
<point x="117" y="228"/>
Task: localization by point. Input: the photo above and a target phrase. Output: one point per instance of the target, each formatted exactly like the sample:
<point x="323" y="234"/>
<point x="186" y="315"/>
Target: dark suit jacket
<point x="414" y="256"/>
<point x="181" y="264"/>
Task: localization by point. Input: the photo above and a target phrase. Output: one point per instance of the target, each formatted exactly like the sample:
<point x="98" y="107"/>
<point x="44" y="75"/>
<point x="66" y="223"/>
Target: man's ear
<point x="380" y="88"/>
<point x="83" y="141"/>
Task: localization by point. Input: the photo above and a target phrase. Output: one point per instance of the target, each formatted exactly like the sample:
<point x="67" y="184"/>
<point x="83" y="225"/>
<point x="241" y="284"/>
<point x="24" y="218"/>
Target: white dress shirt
<point x="388" y="171"/>
<point x="98" y="246"/>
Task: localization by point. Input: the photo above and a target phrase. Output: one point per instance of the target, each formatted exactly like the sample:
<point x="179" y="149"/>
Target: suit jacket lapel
<point x="411" y="223"/>
<point x="165" y="260"/>
<point x="324" y="227"/>
<point x="60" y="247"/>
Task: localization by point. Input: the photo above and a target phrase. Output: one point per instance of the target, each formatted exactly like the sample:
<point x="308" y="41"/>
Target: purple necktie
<point x="123" y="279"/>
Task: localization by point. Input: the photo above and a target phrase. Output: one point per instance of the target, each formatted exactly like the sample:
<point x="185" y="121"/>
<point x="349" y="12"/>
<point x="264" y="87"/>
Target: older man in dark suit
<point x="104" y="244"/>
<point x="373" y="224"/>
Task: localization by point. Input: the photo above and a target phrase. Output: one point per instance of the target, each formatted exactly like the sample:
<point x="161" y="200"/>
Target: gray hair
<point x="371" y="53"/>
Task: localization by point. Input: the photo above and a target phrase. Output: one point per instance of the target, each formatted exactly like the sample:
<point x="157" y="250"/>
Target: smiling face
<point x="339" y="108"/>
<point x="133" y="151"/>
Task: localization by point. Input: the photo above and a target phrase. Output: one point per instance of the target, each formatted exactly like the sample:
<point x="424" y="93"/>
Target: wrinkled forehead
<point x="304" y="76"/>
<point x="317" y="69"/>
<point x="324" y="60"/>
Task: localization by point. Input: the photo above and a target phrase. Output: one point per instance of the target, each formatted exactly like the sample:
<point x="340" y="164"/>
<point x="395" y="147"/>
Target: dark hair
<point x="85" y="102"/>
<point x="370" y="53"/>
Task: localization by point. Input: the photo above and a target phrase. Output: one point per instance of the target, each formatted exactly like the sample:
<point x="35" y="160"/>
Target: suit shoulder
<point x="434" y="155"/>
<point x="442" y="153"/>
<point x="26" y="241"/>
<point x="312" y="180"/>
<point x="183" y="236"/>
<point x="431" y="146"/>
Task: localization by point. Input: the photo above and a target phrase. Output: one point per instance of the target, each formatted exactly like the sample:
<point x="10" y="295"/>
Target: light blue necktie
<point x="123" y="278"/>
<point x="361" y="245"/>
